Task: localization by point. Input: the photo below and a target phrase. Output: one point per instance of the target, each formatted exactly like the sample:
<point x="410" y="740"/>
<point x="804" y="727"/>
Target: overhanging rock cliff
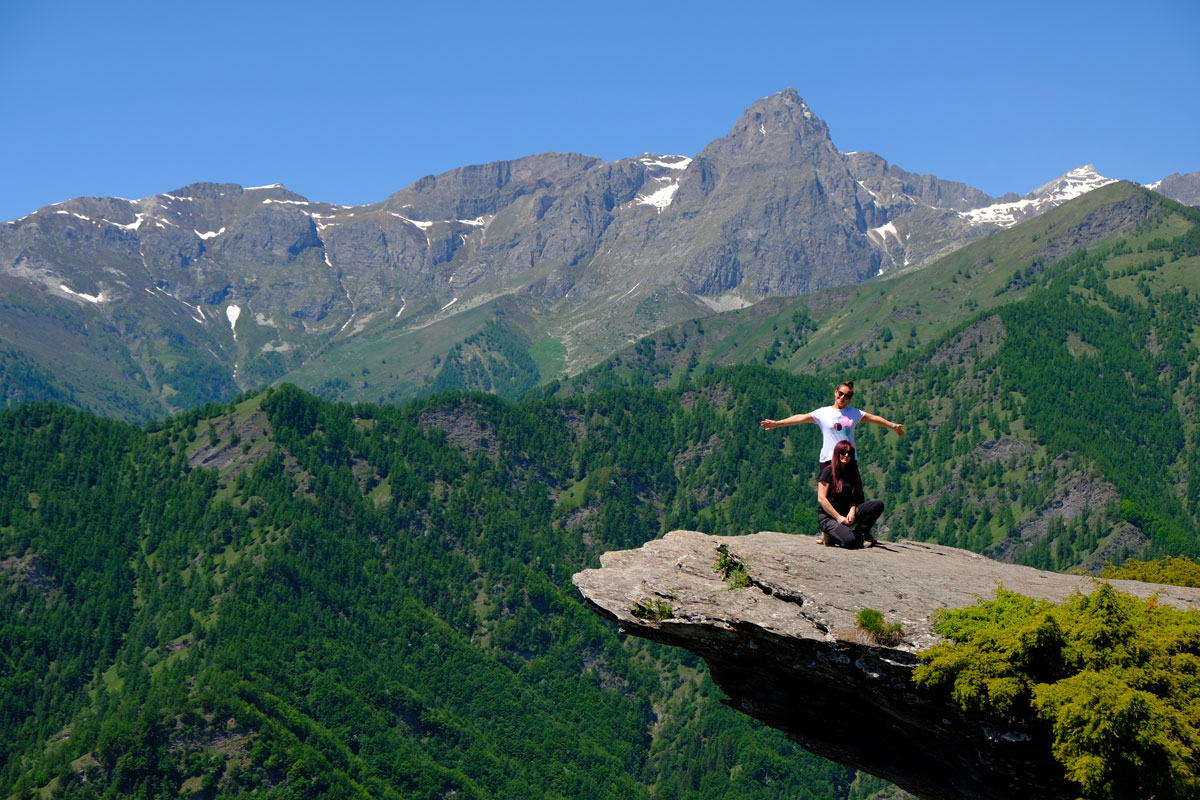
<point x="786" y="649"/>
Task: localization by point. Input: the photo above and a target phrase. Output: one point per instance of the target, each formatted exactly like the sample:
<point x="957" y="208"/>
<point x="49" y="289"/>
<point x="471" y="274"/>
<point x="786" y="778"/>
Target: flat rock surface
<point x="802" y="589"/>
<point x="786" y="649"/>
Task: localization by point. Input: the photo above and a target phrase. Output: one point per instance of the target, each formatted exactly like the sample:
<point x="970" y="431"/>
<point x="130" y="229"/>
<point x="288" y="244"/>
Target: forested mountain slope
<point x="317" y="600"/>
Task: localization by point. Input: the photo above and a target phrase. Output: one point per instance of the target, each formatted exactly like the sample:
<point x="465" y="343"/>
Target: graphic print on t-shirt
<point x="836" y="425"/>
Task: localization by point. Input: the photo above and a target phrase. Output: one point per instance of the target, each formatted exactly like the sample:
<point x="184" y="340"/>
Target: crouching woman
<point x="844" y="518"/>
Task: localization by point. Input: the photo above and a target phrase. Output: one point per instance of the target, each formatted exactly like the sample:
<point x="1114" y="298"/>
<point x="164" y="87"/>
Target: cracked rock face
<point x="786" y="649"/>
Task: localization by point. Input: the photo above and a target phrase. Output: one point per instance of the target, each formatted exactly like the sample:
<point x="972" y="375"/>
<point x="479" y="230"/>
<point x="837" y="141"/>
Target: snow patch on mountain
<point x="91" y="298"/>
<point x="660" y="198"/>
<point x="422" y="224"/>
<point x="874" y="194"/>
<point x="1077" y="182"/>
<point x="1003" y="214"/>
<point x="232" y="313"/>
<point x="197" y="317"/>
<point x="663" y="170"/>
<point x="883" y="230"/>
<point x="677" y="162"/>
<point x="1066" y="187"/>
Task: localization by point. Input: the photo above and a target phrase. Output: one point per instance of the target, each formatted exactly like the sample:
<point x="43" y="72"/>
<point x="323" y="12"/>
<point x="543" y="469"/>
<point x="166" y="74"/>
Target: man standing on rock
<point x="836" y="421"/>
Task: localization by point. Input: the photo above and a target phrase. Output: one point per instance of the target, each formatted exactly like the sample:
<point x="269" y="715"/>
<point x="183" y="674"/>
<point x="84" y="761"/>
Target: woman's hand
<point x="850" y="516"/>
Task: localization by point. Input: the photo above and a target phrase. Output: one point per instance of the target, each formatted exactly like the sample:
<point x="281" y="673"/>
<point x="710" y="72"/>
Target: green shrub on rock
<point x="1117" y="678"/>
<point x="1173" y="570"/>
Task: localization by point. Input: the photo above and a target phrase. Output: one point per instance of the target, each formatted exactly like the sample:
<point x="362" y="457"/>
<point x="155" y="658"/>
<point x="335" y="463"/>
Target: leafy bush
<point x="1116" y="677"/>
<point x="1173" y="570"/>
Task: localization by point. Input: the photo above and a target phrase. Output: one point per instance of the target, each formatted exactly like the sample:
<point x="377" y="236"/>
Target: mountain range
<point x="496" y="276"/>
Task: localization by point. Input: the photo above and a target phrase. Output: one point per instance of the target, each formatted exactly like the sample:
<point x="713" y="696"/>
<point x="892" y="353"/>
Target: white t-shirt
<point x="836" y="425"/>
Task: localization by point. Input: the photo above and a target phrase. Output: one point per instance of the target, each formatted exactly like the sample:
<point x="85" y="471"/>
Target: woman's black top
<point x="850" y="496"/>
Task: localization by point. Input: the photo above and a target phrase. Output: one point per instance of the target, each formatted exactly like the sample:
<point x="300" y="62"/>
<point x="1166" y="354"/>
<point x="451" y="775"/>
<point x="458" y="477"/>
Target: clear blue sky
<point x="347" y="102"/>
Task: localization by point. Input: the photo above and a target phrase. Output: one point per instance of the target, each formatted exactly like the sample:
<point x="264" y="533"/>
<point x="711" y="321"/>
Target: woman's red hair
<point x="841" y="474"/>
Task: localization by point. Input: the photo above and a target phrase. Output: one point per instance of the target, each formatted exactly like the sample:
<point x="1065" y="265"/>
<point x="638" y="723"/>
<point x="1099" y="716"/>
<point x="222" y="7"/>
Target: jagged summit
<point x="1080" y="180"/>
<point x="786" y="108"/>
<point x="787" y="651"/>
<point x="210" y="191"/>
<point x="1065" y="187"/>
<point x="779" y="129"/>
<point x="1184" y="188"/>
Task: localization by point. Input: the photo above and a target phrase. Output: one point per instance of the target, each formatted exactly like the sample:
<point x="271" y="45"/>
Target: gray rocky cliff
<point x="787" y="650"/>
<point x="1181" y="188"/>
<point x="766" y="208"/>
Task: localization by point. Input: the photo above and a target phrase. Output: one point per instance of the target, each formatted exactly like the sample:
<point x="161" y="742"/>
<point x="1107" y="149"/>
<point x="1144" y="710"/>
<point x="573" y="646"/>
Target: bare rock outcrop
<point x="786" y="649"/>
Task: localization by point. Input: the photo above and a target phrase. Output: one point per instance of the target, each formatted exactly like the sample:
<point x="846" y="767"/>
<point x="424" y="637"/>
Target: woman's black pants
<point x="864" y="519"/>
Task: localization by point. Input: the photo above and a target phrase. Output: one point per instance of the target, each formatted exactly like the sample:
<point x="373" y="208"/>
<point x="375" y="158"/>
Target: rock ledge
<point x="787" y="650"/>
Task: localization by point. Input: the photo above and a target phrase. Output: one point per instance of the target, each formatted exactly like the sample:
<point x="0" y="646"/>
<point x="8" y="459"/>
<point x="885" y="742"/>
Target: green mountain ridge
<point x="360" y="602"/>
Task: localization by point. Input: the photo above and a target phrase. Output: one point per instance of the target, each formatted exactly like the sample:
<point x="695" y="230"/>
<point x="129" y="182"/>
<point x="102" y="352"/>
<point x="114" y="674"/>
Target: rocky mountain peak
<point x="206" y="190"/>
<point x="1184" y="188"/>
<point x="1080" y="180"/>
<point x="1067" y="186"/>
<point x="786" y="109"/>
<point x="780" y="128"/>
